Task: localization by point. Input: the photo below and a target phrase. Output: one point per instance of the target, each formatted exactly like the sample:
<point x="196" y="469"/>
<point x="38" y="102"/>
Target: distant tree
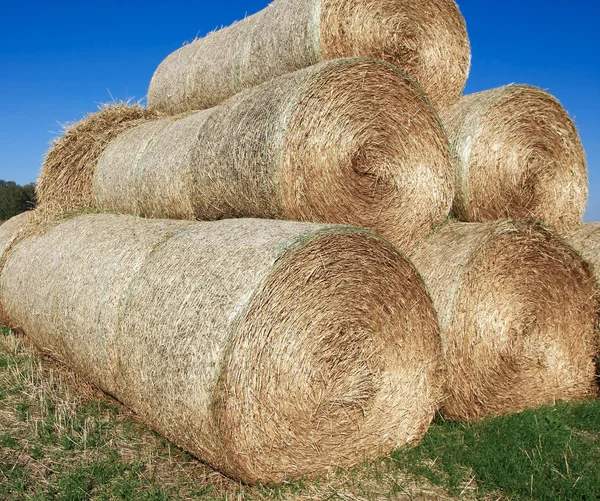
<point x="15" y="199"/>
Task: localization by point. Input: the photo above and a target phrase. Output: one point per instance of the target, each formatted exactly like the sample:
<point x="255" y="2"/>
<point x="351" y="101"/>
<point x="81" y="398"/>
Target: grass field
<point x="63" y="440"/>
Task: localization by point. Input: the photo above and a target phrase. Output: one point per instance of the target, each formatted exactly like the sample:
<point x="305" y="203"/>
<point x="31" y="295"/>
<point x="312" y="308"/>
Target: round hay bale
<point x="518" y="155"/>
<point x="268" y="349"/>
<point x="585" y="239"/>
<point x="427" y="39"/>
<point x="518" y="316"/>
<point x="350" y="141"/>
<point x="9" y="231"/>
<point x="65" y="180"/>
<point x="9" y="234"/>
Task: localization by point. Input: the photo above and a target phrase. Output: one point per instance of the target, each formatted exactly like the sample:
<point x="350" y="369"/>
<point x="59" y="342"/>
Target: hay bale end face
<point x="585" y="239"/>
<point x="427" y="39"/>
<point x="268" y="349"/>
<point x="518" y="155"/>
<point x="351" y="141"/>
<point x="518" y="317"/>
<point x="65" y="180"/>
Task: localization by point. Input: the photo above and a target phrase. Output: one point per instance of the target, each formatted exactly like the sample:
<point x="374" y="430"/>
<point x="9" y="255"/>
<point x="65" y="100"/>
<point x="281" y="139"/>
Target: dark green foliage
<point x="15" y="199"/>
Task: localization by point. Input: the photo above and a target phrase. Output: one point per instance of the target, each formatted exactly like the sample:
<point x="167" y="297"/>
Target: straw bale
<point x="518" y="155"/>
<point x="350" y="141"/>
<point x="79" y="148"/>
<point x="427" y="39"/>
<point x="268" y="349"/>
<point x="9" y="234"/>
<point x="518" y="316"/>
<point x="585" y="239"/>
<point x="9" y="231"/>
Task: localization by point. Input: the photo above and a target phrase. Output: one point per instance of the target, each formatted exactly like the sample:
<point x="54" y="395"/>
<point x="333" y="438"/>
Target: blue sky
<point x="59" y="59"/>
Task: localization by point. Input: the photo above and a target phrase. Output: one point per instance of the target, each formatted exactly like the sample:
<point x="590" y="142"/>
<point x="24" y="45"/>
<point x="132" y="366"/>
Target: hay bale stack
<point x="268" y="349"/>
<point x="351" y="141"/>
<point x="427" y="39"/>
<point x="518" y="313"/>
<point x="518" y="155"/>
<point x="66" y="179"/>
<point x="585" y="239"/>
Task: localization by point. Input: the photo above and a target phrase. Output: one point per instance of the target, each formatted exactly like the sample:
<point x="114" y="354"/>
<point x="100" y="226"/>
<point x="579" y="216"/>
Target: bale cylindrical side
<point x="518" y="317"/>
<point x="350" y="141"/>
<point x="427" y="39"/>
<point x="66" y="178"/>
<point x="9" y="231"/>
<point x="268" y="349"/>
<point x="585" y="239"/>
<point x="518" y="155"/>
<point x="9" y="234"/>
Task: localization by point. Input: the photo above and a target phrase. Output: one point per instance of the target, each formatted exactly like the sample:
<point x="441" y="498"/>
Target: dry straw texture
<point x="268" y="349"/>
<point x="68" y="169"/>
<point x="426" y="38"/>
<point x="350" y="141"/>
<point x="586" y="240"/>
<point x="10" y="232"/>
<point x="518" y="156"/>
<point x="518" y="313"/>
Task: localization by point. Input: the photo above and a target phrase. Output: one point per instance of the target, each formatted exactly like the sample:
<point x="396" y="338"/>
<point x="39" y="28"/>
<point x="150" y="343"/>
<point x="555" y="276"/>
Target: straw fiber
<point x="350" y="141"/>
<point x="585" y="239"/>
<point x="9" y="231"/>
<point x="518" y="155"/>
<point x="427" y="39"/>
<point x="68" y="169"/>
<point x="268" y="349"/>
<point x="9" y="234"/>
<point x="518" y="315"/>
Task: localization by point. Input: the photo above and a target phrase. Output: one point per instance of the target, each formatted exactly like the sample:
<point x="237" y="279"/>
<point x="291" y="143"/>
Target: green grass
<point x="63" y="440"/>
<point x="546" y="454"/>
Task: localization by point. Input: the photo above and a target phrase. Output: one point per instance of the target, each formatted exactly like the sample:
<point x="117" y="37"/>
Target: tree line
<point x="15" y="199"/>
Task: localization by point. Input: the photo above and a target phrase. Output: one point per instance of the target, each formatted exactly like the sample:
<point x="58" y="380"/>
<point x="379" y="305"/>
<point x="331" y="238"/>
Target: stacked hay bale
<point x="274" y="349"/>
<point x="428" y="40"/>
<point x="269" y="349"/>
<point x="517" y="155"/>
<point x="351" y="141"/>
<point x="518" y="316"/>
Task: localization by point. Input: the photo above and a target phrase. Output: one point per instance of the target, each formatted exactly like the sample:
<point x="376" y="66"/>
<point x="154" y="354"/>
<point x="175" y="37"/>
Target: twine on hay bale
<point x="268" y="349"/>
<point x="69" y="165"/>
<point x="518" y="155"/>
<point x="518" y="314"/>
<point x="351" y="141"/>
<point x="427" y="39"/>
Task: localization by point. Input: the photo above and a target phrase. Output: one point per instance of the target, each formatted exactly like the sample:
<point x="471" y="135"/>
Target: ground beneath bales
<point x="62" y="439"/>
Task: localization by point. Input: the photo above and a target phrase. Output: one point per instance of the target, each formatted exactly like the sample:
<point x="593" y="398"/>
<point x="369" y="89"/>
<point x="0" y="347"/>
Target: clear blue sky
<point x="59" y="59"/>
